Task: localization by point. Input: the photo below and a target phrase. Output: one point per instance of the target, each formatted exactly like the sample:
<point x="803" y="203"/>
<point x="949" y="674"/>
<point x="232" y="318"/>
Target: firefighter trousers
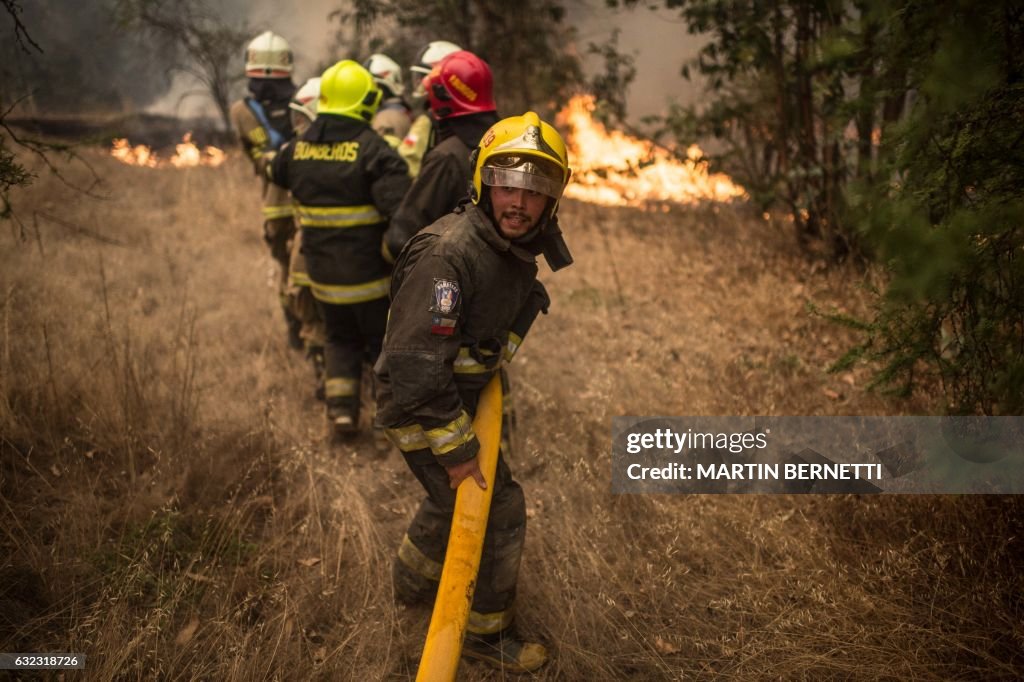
<point x="421" y="554"/>
<point x="278" y="234"/>
<point x="355" y="333"/>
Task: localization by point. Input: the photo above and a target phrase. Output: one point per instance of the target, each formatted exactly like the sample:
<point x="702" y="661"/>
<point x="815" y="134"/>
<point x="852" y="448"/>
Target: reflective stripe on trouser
<point x="278" y="205"/>
<point x="423" y="550"/>
<point x="275" y="212"/>
<point x="338" y="216"/>
<point x="354" y="336"/>
<point x="440" y="440"/>
<point x="349" y="294"/>
<point x="341" y="387"/>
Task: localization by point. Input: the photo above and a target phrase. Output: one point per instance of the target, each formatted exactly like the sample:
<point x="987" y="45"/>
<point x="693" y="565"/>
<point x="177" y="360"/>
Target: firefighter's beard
<point x="516" y="212"/>
<point x="515" y="224"/>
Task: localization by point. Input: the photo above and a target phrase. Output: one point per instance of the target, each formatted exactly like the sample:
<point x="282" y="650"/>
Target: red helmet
<point x="458" y="85"/>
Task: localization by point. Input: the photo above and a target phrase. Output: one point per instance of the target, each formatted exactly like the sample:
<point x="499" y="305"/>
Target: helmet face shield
<point x="522" y="152"/>
<point x="523" y="172"/>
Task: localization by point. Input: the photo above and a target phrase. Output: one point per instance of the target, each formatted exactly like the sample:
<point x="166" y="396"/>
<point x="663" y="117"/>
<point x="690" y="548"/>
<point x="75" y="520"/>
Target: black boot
<point x="344" y="420"/>
<point x="505" y="651"/>
<point x="411" y="588"/>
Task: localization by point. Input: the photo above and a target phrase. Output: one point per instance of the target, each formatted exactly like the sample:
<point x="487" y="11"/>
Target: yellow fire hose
<point x="443" y="646"/>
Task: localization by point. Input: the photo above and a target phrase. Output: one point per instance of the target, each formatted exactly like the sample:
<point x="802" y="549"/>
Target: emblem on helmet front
<point x="532" y="137"/>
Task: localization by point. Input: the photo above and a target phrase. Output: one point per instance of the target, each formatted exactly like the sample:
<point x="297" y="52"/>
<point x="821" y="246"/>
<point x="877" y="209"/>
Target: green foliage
<point x="780" y="76"/>
<point x="610" y="86"/>
<point x="12" y="174"/>
<point x="892" y="129"/>
<point x="945" y="211"/>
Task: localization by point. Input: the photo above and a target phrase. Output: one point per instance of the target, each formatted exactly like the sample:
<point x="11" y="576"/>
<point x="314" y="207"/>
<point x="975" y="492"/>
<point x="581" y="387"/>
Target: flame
<point x="139" y="155"/>
<point x="186" y="154"/>
<point x="615" y="169"/>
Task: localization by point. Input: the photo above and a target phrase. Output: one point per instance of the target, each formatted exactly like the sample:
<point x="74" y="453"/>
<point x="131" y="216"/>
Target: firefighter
<point x="464" y="293"/>
<point x="301" y="302"/>
<point x="460" y="92"/>
<point x="263" y="125"/>
<point x="346" y="182"/>
<point x="394" y="117"/>
<point x="414" y="144"/>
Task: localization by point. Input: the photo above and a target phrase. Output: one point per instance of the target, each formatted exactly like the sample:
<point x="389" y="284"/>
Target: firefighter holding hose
<point x="464" y="293"/>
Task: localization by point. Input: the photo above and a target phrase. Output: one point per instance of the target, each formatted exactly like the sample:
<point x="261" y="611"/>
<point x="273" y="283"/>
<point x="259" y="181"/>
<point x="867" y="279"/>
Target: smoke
<point x="87" y="64"/>
<point x="305" y="26"/>
<point x="658" y="40"/>
<point x="659" y="43"/>
<point x="90" y="64"/>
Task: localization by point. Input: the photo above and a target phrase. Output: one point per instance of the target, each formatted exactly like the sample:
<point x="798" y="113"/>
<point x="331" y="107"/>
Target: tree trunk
<point x="865" y="119"/>
<point x="807" y="187"/>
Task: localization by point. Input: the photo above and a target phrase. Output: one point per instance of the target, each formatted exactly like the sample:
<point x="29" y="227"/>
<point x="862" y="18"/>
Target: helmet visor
<point x="523" y="172"/>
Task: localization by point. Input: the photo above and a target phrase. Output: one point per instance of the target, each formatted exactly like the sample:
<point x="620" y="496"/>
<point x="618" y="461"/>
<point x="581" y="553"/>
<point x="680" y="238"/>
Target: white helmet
<point x="386" y="72"/>
<point x="268" y="56"/>
<point x="305" y="99"/>
<point x="430" y="55"/>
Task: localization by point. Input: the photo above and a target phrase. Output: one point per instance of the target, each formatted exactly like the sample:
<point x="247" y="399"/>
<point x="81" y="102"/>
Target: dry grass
<point x="169" y="506"/>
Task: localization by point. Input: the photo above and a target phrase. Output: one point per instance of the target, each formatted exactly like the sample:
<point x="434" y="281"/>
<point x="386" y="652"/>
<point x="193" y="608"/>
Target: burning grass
<point x="169" y="507"/>
<point x="186" y="154"/>
<point x="614" y="169"/>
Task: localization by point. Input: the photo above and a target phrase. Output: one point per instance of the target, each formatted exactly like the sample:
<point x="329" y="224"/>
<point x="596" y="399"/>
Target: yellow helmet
<point x="522" y="151"/>
<point x="349" y="90"/>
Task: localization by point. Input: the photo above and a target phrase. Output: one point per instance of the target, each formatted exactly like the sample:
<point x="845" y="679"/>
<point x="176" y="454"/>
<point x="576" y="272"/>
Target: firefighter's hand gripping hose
<point x="443" y="645"/>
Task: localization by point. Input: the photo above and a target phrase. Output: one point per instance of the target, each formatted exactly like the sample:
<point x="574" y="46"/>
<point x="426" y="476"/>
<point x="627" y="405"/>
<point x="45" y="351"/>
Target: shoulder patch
<point x="446" y="296"/>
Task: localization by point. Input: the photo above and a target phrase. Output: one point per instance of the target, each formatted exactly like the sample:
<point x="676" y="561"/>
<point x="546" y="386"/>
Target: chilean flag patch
<point x="442" y="326"/>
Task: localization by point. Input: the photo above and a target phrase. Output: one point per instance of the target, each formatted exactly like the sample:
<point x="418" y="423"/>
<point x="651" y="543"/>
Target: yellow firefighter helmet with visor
<point x="524" y="152"/>
<point x="348" y="89"/>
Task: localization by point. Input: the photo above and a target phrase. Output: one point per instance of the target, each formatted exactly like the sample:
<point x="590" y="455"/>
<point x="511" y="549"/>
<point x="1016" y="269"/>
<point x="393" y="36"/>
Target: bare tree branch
<point x="41" y="149"/>
<point x="209" y="44"/>
<point x="13" y="8"/>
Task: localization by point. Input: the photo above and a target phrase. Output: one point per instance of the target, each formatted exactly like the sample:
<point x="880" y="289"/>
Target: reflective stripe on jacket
<point x="460" y="294"/>
<point x="346" y="182"/>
